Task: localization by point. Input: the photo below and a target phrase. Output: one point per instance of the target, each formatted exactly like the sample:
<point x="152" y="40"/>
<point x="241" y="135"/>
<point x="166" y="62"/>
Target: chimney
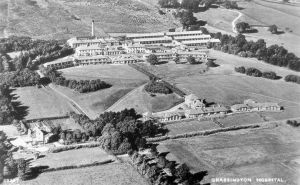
<point x="93" y="33"/>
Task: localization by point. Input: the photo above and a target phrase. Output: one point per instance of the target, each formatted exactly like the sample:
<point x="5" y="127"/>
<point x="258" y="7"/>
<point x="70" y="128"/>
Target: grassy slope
<point x="271" y="152"/>
<point x="259" y="13"/>
<point x="38" y="103"/>
<point x="73" y="157"/>
<point x="111" y="174"/>
<point x="142" y="102"/>
<point x="122" y="77"/>
<point x="65" y="18"/>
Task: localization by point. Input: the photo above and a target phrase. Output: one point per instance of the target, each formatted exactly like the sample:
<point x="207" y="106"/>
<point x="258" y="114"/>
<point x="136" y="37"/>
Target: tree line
<point x="274" y="54"/>
<point x="160" y="171"/>
<point x="118" y="132"/>
<point x="196" y="5"/>
<point x="251" y="71"/>
<point x="82" y="86"/>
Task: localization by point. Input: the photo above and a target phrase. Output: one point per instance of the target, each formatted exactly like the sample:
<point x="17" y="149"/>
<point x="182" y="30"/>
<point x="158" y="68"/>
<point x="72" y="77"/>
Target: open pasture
<point x="122" y="77"/>
<point x="62" y="19"/>
<point x="171" y="71"/>
<point x="270" y="152"/>
<point x="33" y="103"/>
<point x="142" y="101"/>
<point x="187" y="126"/>
<point x="109" y="174"/>
<point x="73" y="157"/>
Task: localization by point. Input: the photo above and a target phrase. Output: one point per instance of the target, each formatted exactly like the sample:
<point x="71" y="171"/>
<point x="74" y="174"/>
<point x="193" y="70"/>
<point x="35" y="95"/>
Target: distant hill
<point x="61" y="19"/>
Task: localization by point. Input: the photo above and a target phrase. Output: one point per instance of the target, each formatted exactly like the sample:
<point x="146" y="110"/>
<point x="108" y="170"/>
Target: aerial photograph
<point x="150" y="92"/>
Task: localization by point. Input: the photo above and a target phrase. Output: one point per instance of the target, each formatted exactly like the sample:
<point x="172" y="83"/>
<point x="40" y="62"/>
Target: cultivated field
<point x="122" y="77"/>
<point x="272" y="152"/>
<point x="73" y="157"/>
<point x="142" y="102"/>
<point x="62" y="19"/>
<point x="33" y="103"/>
<point x="109" y="174"/>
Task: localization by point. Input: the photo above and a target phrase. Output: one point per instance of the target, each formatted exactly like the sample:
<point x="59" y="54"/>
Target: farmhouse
<point x="40" y="132"/>
<point x="251" y="105"/>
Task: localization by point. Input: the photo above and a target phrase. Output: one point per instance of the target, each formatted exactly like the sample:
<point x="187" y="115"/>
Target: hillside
<point x="61" y="19"/>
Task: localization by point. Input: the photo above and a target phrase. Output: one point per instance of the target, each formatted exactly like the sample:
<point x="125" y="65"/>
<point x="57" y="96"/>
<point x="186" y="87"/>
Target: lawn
<point x="109" y="174"/>
<point x="73" y="157"/>
<point x="271" y="152"/>
<point x="182" y="127"/>
<point x="33" y="103"/>
<point x="142" y="102"/>
<point x="122" y="77"/>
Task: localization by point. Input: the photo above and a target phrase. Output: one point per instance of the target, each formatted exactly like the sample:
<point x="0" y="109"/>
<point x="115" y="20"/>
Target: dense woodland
<point x="274" y="54"/>
<point x="20" y="78"/>
<point x="82" y="86"/>
<point x="33" y="52"/>
<point x="155" y="86"/>
<point x="118" y="132"/>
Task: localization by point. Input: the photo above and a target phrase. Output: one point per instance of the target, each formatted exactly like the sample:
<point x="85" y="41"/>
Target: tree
<point x="182" y="172"/>
<point x="242" y="27"/>
<point x="168" y="3"/>
<point x="187" y="19"/>
<point x="190" y="59"/>
<point x="23" y="168"/>
<point x="152" y="59"/>
<point x="273" y="29"/>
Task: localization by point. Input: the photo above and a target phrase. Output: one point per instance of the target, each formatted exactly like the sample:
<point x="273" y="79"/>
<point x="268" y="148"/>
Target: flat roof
<point x="198" y="41"/>
<point x="152" y="39"/>
<point x="145" y="34"/>
<point x="190" y="53"/>
<point x="61" y="60"/>
<point x="192" y="37"/>
<point x="91" y="57"/>
<point x="184" y="33"/>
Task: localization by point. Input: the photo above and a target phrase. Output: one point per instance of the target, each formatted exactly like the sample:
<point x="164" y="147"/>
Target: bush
<point x="253" y="72"/>
<point x="293" y="123"/>
<point x="269" y="75"/>
<point x="292" y="78"/>
<point x="157" y="87"/>
<point x="240" y="69"/>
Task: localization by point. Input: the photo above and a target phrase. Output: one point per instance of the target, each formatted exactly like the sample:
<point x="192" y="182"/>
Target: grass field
<point x="263" y="13"/>
<point x="33" y="102"/>
<point x="271" y="152"/>
<point x="182" y="127"/>
<point x="73" y="157"/>
<point x="142" y="102"/>
<point x="62" y="19"/>
<point x="122" y="77"/>
<point x="110" y="174"/>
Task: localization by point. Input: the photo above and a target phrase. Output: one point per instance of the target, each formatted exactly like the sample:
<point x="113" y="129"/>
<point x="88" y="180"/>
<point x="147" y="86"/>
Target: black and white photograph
<point x="150" y="92"/>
